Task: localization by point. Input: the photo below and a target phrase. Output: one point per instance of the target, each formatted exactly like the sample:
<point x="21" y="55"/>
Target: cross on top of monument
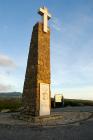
<point x="46" y="16"/>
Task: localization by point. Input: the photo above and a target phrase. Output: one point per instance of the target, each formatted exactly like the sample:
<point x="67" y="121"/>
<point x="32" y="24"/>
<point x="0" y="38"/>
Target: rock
<point x="5" y="110"/>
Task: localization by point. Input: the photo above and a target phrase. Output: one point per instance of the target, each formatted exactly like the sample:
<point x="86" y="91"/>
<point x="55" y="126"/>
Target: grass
<point x="15" y="103"/>
<point x="73" y="102"/>
<point x="12" y="104"/>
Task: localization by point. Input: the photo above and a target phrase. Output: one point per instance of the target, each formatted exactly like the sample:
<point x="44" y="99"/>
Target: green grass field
<point x="73" y="102"/>
<point x="11" y="104"/>
<point x="14" y="103"/>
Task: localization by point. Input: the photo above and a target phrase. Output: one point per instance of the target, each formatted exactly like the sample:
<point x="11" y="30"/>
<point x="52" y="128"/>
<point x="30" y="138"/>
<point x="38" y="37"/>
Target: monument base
<point x="37" y="119"/>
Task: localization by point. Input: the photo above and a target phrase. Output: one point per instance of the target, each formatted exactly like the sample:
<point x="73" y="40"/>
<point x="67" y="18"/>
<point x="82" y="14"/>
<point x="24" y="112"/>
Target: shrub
<point x="11" y="104"/>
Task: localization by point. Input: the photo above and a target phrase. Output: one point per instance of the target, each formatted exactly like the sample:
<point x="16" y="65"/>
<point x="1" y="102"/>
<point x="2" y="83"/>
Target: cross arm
<point x="41" y="11"/>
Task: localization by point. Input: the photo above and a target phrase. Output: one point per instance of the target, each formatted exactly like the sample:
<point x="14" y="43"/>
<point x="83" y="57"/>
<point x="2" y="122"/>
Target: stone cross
<point x="46" y="16"/>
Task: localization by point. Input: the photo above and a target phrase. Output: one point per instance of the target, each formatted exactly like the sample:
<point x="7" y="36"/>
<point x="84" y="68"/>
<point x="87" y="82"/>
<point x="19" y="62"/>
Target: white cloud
<point x="10" y="82"/>
<point x="56" y="24"/>
<point x="72" y="62"/>
<point x="5" y="88"/>
<point x="7" y="82"/>
<point x="5" y="61"/>
<point x="79" y="93"/>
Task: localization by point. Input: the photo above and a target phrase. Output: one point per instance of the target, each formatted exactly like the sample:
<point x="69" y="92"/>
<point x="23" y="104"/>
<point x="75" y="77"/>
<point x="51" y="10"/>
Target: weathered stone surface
<point x="38" y="69"/>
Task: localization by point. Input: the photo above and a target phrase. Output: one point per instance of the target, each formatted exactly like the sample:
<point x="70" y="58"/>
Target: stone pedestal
<point x="36" y="92"/>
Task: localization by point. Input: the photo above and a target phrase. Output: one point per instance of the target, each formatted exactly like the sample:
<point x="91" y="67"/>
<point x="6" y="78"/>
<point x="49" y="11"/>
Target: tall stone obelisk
<point x="36" y="92"/>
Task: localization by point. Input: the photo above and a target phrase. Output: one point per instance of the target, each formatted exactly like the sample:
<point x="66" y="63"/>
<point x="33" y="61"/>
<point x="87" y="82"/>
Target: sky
<point x="71" y="45"/>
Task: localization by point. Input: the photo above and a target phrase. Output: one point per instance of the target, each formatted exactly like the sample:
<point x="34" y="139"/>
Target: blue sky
<point x="71" y="44"/>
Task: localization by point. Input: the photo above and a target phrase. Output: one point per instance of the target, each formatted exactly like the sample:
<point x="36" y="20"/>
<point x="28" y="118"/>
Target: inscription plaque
<point x="44" y="99"/>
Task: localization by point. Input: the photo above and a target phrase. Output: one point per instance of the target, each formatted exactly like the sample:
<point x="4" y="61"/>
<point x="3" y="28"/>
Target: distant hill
<point x="10" y="95"/>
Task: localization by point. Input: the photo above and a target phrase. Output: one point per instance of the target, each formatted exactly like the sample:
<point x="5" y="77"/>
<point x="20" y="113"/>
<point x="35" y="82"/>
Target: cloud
<point x="56" y="24"/>
<point x="72" y="62"/>
<point x="5" y="88"/>
<point x="11" y="82"/>
<point x="5" y="61"/>
<point x="79" y="93"/>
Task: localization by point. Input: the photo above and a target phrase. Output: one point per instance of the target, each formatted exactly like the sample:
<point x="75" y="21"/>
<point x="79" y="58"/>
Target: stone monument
<point x="36" y="92"/>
